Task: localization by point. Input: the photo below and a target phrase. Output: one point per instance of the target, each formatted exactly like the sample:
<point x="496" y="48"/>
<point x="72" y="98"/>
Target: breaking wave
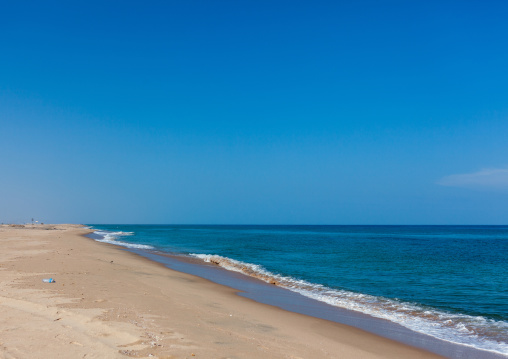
<point x="111" y="238"/>
<point x="474" y="331"/>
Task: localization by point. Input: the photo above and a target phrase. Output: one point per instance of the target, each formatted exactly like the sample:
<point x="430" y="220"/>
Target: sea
<point x="446" y="283"/>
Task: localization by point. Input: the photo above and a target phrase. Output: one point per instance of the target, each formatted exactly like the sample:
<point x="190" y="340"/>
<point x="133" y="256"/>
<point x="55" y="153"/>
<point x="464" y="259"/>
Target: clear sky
<point x="254" y="112"/>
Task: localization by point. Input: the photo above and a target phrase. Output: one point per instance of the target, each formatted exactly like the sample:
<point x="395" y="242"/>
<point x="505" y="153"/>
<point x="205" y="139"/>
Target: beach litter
<point x="48" y="280"/>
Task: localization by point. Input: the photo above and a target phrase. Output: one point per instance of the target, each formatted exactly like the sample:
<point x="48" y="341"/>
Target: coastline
<point x="464" y="328"/>
<point x="273" y="295"/>
<point x="108" y="302"/>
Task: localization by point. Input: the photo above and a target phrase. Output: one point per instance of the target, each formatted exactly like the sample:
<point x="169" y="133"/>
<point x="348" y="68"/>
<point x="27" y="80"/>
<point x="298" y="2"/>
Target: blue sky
<point x="254" y="112"/>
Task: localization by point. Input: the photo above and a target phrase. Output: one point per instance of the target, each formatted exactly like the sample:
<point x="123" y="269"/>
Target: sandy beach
<point x="108" y="303"/>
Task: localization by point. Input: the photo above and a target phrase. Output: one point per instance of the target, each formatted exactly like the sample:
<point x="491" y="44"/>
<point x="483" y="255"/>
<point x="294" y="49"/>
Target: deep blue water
<point x="447" y="281"/>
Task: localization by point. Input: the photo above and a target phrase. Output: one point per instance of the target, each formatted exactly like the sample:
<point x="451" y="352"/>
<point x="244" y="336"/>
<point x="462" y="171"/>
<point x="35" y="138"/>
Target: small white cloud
<point x="490" y="178"/>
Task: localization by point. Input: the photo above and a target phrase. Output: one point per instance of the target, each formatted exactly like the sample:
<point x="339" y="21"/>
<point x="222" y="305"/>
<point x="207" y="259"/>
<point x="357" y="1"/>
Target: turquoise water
<point x="446" y="281"/>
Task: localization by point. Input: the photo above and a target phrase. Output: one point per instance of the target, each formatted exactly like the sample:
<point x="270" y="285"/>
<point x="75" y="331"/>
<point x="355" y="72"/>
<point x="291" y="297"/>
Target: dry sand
<point x="108" y="303"/>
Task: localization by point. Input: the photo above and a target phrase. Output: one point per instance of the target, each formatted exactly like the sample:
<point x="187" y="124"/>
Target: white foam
<point x="477" y="332"/>
<point x="111" y="238"/>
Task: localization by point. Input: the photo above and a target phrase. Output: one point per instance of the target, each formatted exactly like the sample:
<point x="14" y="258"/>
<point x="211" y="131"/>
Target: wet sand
<point x="108" y="303"/>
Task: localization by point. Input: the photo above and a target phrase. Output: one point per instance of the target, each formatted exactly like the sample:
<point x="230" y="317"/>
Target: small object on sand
<point x="48" y="280"/>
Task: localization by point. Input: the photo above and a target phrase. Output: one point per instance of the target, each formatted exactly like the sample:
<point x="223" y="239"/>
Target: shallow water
<point x="449" y="282"/>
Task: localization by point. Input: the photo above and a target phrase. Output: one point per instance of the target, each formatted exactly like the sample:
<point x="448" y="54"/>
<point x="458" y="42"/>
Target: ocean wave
<point x="111" y="238"/>
<point x="474" y="331"/>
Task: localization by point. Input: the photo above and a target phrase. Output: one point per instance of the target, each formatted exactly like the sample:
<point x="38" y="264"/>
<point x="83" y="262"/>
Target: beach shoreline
<point x="280" y="297"/>
<point x="108" y="302"/>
